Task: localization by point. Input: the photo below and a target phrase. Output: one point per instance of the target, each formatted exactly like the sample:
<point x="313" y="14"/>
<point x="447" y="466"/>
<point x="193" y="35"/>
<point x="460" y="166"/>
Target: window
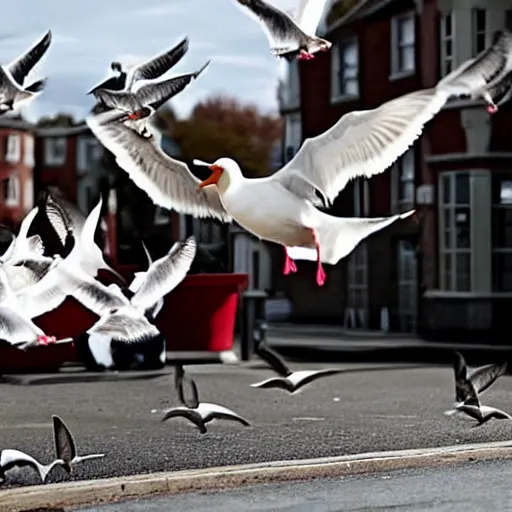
<point x="12" y="149"/>
<point x="403" y="55"/>
<point x="11" y="190"/>
<point x="447" y="46"/>
<point x="345" y="69"/>
<point x="293" y="135"/>
<point x="402" y="174"/>
<point x="55" y="150"/>
<point x="292" y="87"/>
<point x="28" y="194"/>
<point x="407" y="285"/>
<point x="28" y="150"/>
<point x="88" y="154"/>
<point x="455" y="231"/>
<point x="502" y="233"/>
<point x="479" y="23"/>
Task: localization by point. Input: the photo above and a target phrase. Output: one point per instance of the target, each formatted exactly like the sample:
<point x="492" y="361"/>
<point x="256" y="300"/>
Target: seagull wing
<point x="157" y="65"/>
<point x="486" y="68"/>
<point x="165" y="274"/>
<point x="20" y="249"/>
<point x="155" y="94"/>
<point x="485" y="376"/>
<point x="65" y="448"/>
<point x="273" y="359"/>
<point x="310" y="14"/>
<point x="12" y="458"/>
<point x="168" y="182"/>
<point x="22" y="66"/>
<point x="63" y="217"/>
<point x="15" y="328"/>
<point x="278" y="26"/>
<point x="184" y="412"/>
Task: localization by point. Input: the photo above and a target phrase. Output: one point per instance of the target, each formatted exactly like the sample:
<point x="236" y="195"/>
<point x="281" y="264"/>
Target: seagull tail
<point x="37" y="86"/>
<point x="339" y="236"/>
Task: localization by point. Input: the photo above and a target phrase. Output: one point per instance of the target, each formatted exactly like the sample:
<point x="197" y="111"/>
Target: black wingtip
<point x="197" y="73"/>
<point x="37" y="86"/>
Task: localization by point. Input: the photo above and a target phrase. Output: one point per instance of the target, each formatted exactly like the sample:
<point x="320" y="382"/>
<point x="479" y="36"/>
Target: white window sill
<point x="12" y="202"/>
<point x="398" y="75"/>
<point x="344" y="98"/>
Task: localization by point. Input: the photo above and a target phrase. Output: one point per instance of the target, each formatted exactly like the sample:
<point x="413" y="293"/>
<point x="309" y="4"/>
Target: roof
<point x="16" y="123"/>
<point x="62" y="131"/>
<point x="361" y="9"/>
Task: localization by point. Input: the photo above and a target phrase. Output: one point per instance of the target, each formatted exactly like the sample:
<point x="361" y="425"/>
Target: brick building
<point x="16" y="167"/>
<point x="452" y="271"/>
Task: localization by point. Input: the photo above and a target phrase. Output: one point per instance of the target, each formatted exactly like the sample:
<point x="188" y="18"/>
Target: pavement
<point x="366" y="409"/>
<point x="323" y="343"/>
<point x="470" y="487"/>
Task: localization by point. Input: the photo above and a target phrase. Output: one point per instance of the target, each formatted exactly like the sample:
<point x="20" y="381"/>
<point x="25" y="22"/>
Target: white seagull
<point x="124" y="320"/>
<point x="65" y="446"/>
<point x="287" y="37"/>
<point x="488" y="73"/>
<point x="282" y="208"/>
<point x="150" y="69"/>
<point x="15" y="458"/>
<point x="288" y="380"/>
<point x="202" y="412"/>
<point x="12" y="76"/>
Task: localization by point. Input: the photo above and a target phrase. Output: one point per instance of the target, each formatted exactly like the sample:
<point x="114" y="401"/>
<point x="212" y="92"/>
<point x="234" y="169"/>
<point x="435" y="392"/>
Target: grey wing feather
<point x="124" y="328"/>
<point x="65" y="448"/>
<point x="485" y="376"/>
<point x="21" y="67"/>
<point x="189" y="414"/>
<point x="155" y="94"/>
<point x="502" y="91"/>
<point x="157" y="66"/>
<point x="168" y="182"/>
<point x="16" y="328"/>
<point x="165" y="274"/>
<point x="273" y="359"/>
<point x="280" y="27"/>
<point x="231" y="417"/>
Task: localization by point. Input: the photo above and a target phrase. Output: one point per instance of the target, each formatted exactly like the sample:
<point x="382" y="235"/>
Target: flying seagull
<point x="15" y="458"/>
<point x="288" y="380"/>
<point x="488" y="73"/>
<point x="467" y="390"/>
<point x="65" y="446"/>
<point x="12" y="76"/>
<point x="289" y="38"/>
<point x="145" y="99"/>
<point x="202" y="413"/>
<point x="282" y="208"/>
<point x="148" y="70"/>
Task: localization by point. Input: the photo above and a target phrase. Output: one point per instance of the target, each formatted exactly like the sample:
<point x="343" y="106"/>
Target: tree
<point x="222" y="127"/>
<point x="63" y="120"/>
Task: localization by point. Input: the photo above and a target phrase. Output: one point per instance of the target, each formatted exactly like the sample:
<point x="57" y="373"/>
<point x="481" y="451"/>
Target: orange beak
<point x="217" y="171"/>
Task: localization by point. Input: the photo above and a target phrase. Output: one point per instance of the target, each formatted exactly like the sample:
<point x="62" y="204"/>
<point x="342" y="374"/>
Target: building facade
<point x="433" y="275"/>
<point x="16" y="169"/>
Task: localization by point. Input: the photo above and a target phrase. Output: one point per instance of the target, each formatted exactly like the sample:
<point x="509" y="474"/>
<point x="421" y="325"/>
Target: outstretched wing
<point x="273" y="359"/>
<point x="65" y="448"/>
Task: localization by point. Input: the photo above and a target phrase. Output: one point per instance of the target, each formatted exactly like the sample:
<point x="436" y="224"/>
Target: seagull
<point x="287" y="37"/>
<point x="482" y="378"/>
<point x="467" y="390"/>
<point x="144" y="100"/>
<point x="124" y="320"/>
<point x="202" y="413"/>
<point x="77" y="231"/>
<point x="148" y="70"/>
<point x="12" y="77"/>
<point x="484" y="74"/>
<point x="282" y="208"/>
<point x="65" y="446"/>
<point x="288" y="380"/>
<point x="15" y="458"/>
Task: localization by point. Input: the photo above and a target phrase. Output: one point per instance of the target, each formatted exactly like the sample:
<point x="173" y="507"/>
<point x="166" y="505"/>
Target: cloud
<point x="89" y="34"/>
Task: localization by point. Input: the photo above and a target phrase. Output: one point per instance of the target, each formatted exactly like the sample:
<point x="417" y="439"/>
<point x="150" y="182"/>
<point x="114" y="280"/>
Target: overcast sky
<point x="89" y="34"/>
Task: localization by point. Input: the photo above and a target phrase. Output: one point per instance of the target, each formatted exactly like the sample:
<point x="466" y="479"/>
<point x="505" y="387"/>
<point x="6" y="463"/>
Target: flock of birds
<point x="282" y="208"/>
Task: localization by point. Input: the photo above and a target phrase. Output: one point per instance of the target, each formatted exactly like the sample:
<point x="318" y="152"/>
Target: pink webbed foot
<point x="492" y="109"/>
<point x="304" y="55"/>
<point x="320" y="275"/>
<point x="46" y="340"/>
<point x="320" y="272"/>
<point x="289" y="264"/>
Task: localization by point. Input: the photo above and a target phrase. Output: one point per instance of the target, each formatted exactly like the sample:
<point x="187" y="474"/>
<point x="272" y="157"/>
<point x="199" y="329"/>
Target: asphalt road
<point x="476" y="487"/>
<point x="369" y="408"/>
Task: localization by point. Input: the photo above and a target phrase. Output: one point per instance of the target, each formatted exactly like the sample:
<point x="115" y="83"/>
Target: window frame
<point x="398" y="204"/>
<point x="49" y="155"/>
<point x="447" y="61"/>
<point x="12" y="150"/>
<point x="339" y="50"/>
<point x="397" y="46"/>
<point x="13" y="185"/>
<point x="475" y="32"/>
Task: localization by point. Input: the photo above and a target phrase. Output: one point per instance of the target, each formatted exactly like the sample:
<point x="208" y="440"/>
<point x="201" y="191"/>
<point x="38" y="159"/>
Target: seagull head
<point x="320" y="45"/>
<point x="116" y="66"/>
<point x="224" y="172"/>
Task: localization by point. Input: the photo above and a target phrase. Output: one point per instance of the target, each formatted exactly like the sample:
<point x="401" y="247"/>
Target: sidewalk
<point x="333" y="343"/>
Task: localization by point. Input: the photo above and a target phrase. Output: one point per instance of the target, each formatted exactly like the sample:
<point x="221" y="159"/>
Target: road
<point x="476" y="487"/>
<point x="368" y="408"/>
